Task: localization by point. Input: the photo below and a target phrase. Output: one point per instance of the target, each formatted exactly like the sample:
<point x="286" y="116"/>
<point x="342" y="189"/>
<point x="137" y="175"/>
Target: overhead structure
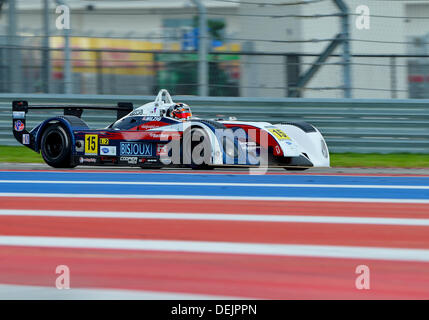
<point x="203" y="77"/>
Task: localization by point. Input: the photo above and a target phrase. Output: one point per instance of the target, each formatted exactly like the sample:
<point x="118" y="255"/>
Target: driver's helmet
<point x="181" y="111"/>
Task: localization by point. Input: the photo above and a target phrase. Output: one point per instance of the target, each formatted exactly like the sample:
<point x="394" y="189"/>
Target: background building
<point x="258" y="48"/>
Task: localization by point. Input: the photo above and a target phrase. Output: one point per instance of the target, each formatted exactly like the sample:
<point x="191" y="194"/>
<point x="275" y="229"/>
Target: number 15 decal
<point x="279" y="134"/>
<point x="91" y="144"/>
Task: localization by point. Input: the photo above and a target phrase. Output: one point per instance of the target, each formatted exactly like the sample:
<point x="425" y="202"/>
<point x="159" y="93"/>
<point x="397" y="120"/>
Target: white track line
<point x="24" y="292"/>
<point x="218" y="217"/>
<point x="221" y="184"/>
<point x="224" y="198"/>
<point x="349" y="252"/>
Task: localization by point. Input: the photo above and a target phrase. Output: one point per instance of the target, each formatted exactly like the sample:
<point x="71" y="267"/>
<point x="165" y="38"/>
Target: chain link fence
<point x="231" y="73"/>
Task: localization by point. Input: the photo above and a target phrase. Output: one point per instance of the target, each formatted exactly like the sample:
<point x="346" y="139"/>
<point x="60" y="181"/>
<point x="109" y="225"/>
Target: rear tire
<point x="56" y="147"/>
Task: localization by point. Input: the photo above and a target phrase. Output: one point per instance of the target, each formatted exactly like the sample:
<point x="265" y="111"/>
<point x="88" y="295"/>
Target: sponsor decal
<point x="18" y="115"/>
<point x="25" y="138"/>
<point x="91" y="144"/>
<point x="279" y="134"/>
<point x="137" y="112"/>
<point x="155" y="135"/>
<point x="136" y="149"/>
<point x="130" y="160"/>
<point x="164" y="136"/>
<point x="152" y="118"/>
<point x="277" y="150"/>
<point x="108" y="159"/>
<point x="107" y="151"/>
<point x="148" y="126"/>
<point x="162" y="150"/>
<point x="249" y="145"/>
<point x="19" y="125"/>
<point x="151" y="160"/>
<point x="104" y="141"/>
<point x="87" y="160"/>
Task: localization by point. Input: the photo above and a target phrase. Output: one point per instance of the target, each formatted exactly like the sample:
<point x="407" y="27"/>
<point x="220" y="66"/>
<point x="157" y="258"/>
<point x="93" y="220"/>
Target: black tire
<point x="296" y="169"/>
<point x="56" y="147"/>
<point x="205" y="152"/>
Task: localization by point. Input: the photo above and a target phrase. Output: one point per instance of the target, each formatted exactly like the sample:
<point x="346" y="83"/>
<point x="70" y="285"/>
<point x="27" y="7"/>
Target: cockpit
<point x="163" y="106"/>
<point x="179" y="111"/>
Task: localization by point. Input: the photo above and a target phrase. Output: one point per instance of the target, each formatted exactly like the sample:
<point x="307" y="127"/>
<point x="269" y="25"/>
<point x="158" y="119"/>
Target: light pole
<point x="46" y="70"/>
<point x="202" y="49"/>
<point x="14" y="53"/>
<point x="68" y="81"/>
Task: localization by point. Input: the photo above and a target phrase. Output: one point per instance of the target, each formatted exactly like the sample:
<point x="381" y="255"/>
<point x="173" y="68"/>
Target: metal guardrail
<point x="349" y="125"/>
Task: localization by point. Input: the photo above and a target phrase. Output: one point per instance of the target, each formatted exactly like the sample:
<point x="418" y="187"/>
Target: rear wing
<point x="21" y="107"/>
<point x="122" y="108"/>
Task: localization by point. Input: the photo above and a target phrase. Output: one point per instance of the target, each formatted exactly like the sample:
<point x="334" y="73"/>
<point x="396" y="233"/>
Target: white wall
<point x="417" y="27"/>
<point x="104" y="20"/>
<point x="363" y="76"/>
<point x="266" y="75"/>
<point x="366" y="73"/>
<point x="259" y="73"/>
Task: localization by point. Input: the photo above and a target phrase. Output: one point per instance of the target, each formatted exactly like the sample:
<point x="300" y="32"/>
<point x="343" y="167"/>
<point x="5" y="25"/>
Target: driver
<point x="180" y="111"/>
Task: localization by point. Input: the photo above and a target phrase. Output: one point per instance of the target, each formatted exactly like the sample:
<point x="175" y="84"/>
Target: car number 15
<point x="91" y="143"/>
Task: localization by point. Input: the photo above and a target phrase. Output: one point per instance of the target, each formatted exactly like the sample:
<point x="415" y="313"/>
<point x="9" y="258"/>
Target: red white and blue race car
<point x="164" y="133"/>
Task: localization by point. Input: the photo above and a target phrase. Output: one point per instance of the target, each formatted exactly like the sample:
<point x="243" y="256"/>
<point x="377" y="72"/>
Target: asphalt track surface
<point x="182" y="234"/>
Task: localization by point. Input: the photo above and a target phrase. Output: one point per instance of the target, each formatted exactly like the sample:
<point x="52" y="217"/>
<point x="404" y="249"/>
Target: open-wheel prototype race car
<point x="164" y="133"/>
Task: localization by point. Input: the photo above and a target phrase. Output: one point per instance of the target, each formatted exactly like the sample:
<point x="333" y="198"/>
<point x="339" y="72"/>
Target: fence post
<point x="203" y="69"/>
<point x="393" y="82"/>
<point x="46" y="67"/>
<point x="292" y="74"/>
<point x="99" y="66"/>
<point x="14" y="53"/>
<point x="345" y="32"/>
<point x="3" y="73"/>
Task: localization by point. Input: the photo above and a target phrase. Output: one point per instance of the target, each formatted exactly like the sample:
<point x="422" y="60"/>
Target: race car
<point x="164" y="133"/>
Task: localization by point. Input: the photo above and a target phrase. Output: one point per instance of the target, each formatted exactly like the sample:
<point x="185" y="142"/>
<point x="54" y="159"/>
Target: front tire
<point x="56" y="147"/>
<point x="200" y="150"/>
<point x="296" y="169"/>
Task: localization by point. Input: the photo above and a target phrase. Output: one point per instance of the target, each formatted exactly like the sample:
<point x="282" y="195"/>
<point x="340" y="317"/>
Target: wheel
<point x="197" y="149"/>
<point x="56" y="147"/>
